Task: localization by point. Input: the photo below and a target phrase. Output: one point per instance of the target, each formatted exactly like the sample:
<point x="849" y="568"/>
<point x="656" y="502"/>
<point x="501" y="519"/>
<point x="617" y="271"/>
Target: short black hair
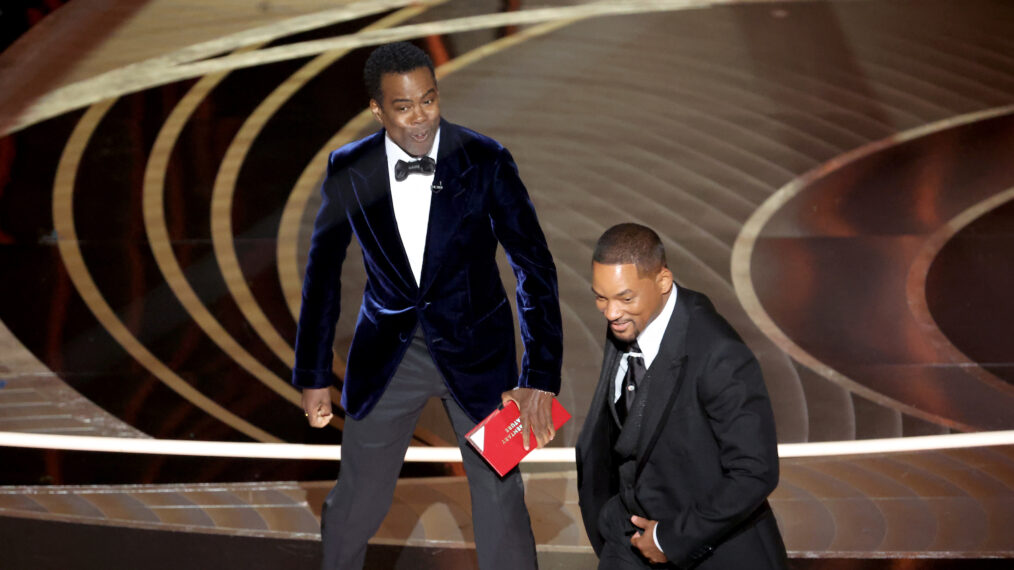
<point x="399" y="57"/>
<point x="631" y="243"/>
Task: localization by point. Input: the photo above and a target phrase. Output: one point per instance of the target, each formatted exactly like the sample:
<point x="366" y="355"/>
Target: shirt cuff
<point x="654" y="536"/>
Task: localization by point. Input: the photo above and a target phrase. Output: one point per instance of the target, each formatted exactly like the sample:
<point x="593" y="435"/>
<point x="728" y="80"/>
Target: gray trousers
<point x="373" y="450"/>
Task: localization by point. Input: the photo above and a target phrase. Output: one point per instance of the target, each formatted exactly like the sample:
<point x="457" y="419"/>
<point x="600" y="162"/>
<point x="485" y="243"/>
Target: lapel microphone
<point x="436" y="187"/>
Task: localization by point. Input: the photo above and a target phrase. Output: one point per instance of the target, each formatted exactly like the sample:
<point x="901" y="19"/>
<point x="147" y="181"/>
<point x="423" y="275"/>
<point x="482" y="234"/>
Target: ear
<point x="376" y="110"/>
<point x="664" y="280"/>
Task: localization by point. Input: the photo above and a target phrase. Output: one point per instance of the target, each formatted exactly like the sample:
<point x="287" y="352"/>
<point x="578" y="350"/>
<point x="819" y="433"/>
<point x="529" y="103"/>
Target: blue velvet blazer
<point x="460" y="303"/>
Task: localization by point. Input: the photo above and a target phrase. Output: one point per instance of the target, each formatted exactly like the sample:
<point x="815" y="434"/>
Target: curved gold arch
<point x="169" y="69"/>
<point x="915" y="286"/>
<point x="161" y="244"/>
<point x="70" y="253"/>
<point x="742" y="254"/>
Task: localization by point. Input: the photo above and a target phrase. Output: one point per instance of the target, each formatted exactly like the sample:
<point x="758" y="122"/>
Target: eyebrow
<point x="408" y="99"/>
<point x="623" y="293"/>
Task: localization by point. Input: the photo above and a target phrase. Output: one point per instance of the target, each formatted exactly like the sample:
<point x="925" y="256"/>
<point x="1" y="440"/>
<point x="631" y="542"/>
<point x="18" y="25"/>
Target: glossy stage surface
<point x="836" y="176"/>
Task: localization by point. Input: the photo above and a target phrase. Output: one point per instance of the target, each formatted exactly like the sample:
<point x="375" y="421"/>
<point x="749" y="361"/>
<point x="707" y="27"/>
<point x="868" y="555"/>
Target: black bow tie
<point x="424" y="165"/>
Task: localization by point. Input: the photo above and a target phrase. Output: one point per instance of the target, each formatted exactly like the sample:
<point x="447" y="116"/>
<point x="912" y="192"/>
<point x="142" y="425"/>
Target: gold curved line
<point x="915" y="286"/>
<point x="70" y="253"/>
<point x="257" y="37"/>
<point x="225" y="189"/>
<point x="288" y="229"/>
<point x="159" y="72"/>
<point x="102" y="86"/>
<point x="742" y="253"/>
<point x="309" y="180"/>
<point x="161" y="243"/>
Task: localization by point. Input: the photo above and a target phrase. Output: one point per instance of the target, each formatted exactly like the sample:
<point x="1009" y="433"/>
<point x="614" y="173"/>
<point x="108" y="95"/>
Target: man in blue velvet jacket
<point x="428" y="202"/>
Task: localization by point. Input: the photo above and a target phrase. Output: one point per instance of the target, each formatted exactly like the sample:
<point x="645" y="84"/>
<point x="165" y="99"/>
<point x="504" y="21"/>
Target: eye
<point x="627" y="299"/>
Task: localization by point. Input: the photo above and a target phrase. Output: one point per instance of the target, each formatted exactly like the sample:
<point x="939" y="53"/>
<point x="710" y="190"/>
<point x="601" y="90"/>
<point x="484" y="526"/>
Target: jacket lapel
<point x="601" y="410"/>
<point x="372" y="187"/>
<point x="666" y="375"/>
<point x="608" y="377"/>
<point x="453" y="192"/>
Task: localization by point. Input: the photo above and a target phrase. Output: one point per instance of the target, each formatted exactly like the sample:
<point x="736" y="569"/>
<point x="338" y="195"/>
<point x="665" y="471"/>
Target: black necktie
<point x="631" y="380"/>
<point x="424" y="165"/>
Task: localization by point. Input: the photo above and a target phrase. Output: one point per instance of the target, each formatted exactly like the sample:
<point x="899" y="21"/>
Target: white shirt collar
<point x="650" y="340"/>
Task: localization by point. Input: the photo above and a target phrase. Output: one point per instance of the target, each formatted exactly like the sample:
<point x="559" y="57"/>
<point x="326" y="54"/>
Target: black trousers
<point x="373" y="450"/>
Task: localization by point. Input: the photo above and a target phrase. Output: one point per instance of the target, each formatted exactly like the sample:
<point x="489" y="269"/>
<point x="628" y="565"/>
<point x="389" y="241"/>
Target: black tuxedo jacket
<point x="478" y="202"/>
<point x="705" y="446"/>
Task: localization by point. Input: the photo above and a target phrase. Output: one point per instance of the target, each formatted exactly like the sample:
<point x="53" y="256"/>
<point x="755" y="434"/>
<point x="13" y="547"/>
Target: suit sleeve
<point x="321" y="303"/>
<point x="517" y="229"/>
<point x="734" y="398"/>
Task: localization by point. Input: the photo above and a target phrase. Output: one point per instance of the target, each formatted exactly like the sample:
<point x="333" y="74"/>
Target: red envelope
<point x="498" y="437"/>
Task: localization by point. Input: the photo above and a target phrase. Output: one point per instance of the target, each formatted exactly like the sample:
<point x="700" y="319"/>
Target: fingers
<point x="543" y="433"/>
<point x="321" y="416"/>
<point x="536" y="415"/>
<point x="544" y="429"/>
<point x="645" y="543"/>
<point x="317" y="406"/>
<point x="636" y="539"/>
<point x="540" y="426"/>
<point x="536" y="421"/>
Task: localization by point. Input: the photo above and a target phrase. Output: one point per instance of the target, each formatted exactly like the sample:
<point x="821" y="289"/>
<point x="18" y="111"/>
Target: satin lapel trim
<point x="601" y="409"/>
<point x="666" y="374"/>
<point x="453" y="189"/>
<point x="372" y="188"/>
<point x="608" y="378"/>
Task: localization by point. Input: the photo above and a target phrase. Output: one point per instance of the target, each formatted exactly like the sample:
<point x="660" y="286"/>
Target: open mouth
<point x="620" y="326"/>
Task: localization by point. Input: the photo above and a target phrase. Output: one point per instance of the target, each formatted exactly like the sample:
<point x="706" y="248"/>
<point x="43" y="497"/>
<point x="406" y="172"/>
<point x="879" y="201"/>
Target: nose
<point x="612" y="311"/>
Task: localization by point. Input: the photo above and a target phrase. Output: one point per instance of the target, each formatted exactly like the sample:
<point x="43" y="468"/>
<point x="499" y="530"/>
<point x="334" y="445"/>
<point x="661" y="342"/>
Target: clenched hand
<point x="317" y="406"/>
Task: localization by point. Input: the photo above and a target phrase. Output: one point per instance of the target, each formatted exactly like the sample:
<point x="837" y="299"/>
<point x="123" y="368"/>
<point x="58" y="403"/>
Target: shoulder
<point x="719" y="351"/>
<point x="353" y="152"/>
<point x="478" y="147"/>
<point x="708" y="325"/>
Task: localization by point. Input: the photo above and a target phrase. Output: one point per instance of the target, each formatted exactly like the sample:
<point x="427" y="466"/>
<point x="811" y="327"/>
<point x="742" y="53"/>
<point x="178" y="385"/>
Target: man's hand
<point x="644" y="540"/>
<point x="317" y="406"/>
<point x="536" y="414"/>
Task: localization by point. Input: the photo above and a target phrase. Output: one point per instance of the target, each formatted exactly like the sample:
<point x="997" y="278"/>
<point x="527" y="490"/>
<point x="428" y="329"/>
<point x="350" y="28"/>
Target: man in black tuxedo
<point x="678" y="454"/>
<point x="428" y="201"/>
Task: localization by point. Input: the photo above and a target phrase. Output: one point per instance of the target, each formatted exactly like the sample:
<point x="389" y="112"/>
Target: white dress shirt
<point x="649" y="341"/>
<point x="411" y="198"/>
